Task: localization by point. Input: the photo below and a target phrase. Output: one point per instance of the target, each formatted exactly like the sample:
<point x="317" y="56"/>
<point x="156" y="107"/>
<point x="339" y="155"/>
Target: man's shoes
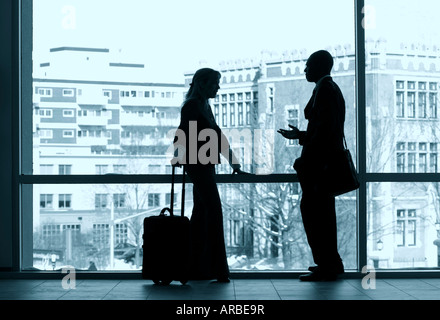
<point x="319" y="275"/>
<point x="339" y="270"/>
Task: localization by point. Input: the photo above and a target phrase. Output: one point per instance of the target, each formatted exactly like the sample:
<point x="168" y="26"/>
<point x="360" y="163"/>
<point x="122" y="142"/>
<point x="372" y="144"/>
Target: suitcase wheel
<point x="162" y="282"/>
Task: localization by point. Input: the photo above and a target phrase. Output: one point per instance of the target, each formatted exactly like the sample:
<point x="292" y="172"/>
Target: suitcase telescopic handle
<point x="171" y="208"/>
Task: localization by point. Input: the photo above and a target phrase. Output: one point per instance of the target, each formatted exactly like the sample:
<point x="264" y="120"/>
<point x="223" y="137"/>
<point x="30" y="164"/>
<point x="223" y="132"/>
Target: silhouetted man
<point x="325" y="113"/>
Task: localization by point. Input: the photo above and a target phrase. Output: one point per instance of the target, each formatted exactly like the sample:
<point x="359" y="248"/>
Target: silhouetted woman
<point x="200" y="152"/>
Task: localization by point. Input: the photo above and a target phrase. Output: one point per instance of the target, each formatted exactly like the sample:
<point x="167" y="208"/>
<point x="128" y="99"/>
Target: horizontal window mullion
<point x="402" y="177"/>
<point x="150" y="178"/>
<point x="221" y="178"/>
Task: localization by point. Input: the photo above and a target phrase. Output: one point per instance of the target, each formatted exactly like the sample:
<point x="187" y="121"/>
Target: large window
<point x="402" y="83"/>
<point x="101" y="101"/>
<point x="111" y="104"/>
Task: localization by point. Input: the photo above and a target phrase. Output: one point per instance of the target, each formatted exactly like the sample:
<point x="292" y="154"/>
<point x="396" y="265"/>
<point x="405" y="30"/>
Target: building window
<point x="68" y="113"/>
<point x="232" y="113"/>
<point x="121" y="233"/>
<point x="168" y="198"/>
<point x="68" y="93"/>
<point x="101" y="234"/>
<point x="236" y="230"/>
<point x="101" y="200"/>
<point x="68" y="134"/>
<point x="400" y="105"/>
<point x="417" y="96"/>
<point x="45" y="113"/>
<point x="64" y="201"/>
<point x="422" y="104"/>
<point x="51" y="232"/>
<point x="107" y="93"/>
<point x="270" y="99"/>
<point x="44" y="92"/>
<point x="45" y="134"/>
<point x="101" y="168"/>
<point x="46" y="168"/>
<point x="119" y="200"/>
<point x="422" y="100"/>
<point x="119" y="168"/>
<point x="411" y="157"/>
<point x="153" y="199"/>
<point x="420" y="159"/>
<point x="433" y="158"/>
<point x="293" y="120"/>
<point x="433" y="105"/>
<point x="224" y="115"/>
<point x="240" y="113"/>
<point x="406" y="224"/>
<point x="64" y="169"/>
<point x="248" y="113"/>
<point x="46" y="201"/>
<point x="154" y="168"/>
<point x="216" y="113"/>
<point x="411" y="104"/>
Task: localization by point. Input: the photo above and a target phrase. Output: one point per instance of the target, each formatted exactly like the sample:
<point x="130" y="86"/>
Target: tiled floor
<point x="237" y="289"/>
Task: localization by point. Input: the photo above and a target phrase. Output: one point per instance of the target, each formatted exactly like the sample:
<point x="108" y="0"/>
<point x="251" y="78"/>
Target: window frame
<point x="19" y="52"/>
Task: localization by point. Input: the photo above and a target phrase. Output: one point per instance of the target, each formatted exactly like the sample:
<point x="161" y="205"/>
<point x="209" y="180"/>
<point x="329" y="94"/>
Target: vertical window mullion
<point x="361" y="133"/>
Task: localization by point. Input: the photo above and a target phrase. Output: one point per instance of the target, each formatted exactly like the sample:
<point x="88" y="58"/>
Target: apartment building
<point x="91" y="117"/>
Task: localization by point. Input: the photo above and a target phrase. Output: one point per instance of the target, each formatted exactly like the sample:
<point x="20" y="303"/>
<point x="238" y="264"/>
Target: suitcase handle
<point x="171" y="209"/>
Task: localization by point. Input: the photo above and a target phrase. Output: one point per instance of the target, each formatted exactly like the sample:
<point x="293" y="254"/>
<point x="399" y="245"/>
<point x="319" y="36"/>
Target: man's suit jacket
<point x="325" y="113"/>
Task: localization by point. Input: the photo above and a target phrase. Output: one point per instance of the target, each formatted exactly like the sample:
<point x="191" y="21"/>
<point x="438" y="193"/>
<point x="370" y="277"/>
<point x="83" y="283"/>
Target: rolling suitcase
<point x="166" y="243"/>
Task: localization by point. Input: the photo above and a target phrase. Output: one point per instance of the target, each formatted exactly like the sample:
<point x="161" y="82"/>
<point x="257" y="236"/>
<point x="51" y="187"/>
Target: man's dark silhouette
<point x="325" y="113"/>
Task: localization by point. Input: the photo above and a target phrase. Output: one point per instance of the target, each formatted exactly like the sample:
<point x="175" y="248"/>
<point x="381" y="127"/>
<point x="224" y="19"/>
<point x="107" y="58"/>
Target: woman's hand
<point x="239" y="171"/>
<point x="175" y="162"/>
<point x="290" y="134"/>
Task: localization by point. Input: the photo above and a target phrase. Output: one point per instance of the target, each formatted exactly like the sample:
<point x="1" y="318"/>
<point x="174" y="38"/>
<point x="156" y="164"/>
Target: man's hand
<point x="290" y="134"/>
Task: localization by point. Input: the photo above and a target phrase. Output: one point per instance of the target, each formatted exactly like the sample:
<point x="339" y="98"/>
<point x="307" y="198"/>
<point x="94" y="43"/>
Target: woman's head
<point x="205" y="84"/>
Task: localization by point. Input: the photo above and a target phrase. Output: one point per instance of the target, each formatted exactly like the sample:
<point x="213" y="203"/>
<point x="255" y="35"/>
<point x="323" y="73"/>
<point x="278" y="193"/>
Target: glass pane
<point x="264" y="229"/>
<point x="105" y="102"/>
<point x="105" y="93"/>
<point x="402" y="82"/>
<point x="404" y="225"/>
<point x="75" y="224"/>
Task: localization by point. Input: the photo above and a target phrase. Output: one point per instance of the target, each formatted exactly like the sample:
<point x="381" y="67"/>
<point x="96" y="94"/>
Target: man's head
<point x="318" y="65"/>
